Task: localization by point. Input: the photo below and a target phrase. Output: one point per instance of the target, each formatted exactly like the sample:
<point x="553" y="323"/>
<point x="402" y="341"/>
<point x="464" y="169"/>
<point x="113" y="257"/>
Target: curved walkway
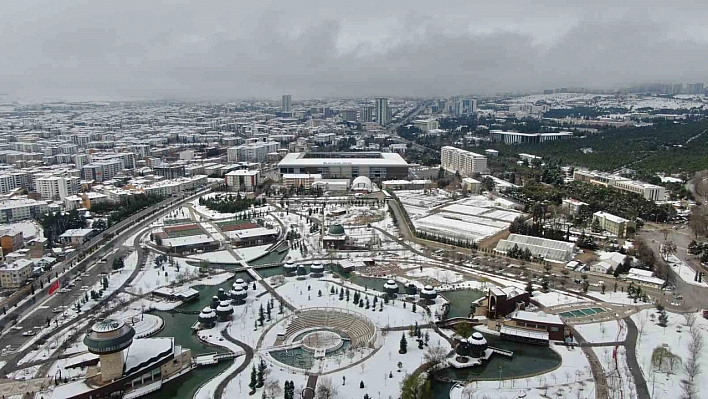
<point x="630" y="344"/>
<point x="221" y="388"/>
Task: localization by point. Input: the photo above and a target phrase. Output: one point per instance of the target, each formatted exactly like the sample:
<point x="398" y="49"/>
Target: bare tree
<point x="273" y="388"/>
<point x="691" y="366"/>
<point x="435" y="354"/>
<point x="326" y="389"/>
<point x="690" y="319"/>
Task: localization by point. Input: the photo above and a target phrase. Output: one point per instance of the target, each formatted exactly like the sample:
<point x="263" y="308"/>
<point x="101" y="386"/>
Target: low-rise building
<point x="543" y="248"/>
<point x="304" y="180"/>
<point x="13" y="275"/>
<point x="77" y="237"/>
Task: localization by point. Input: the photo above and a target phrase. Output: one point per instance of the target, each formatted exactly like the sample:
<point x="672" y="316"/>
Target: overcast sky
<point x="230" y="49"/>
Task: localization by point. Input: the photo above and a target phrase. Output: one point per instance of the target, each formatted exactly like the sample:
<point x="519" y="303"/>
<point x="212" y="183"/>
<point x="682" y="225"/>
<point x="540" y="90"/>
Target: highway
<point x="36" y="313"/>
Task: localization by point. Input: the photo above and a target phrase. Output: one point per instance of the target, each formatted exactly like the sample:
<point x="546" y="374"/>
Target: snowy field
<point x="440" y="275"/>
<point x="556" y="298"/>
<point x="606" y="331"/>
<point x="676" y="338"/>
<point x="296" y="292"/>
<point x="685" y="271"/>
<point x="151" y="277"/>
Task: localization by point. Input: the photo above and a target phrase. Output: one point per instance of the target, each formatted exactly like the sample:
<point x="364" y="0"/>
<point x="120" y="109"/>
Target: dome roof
<point x="335" y="230"/>
<point x="109" y="336"/>
<point x="107" y="325"/>
<point x="362" y="183"/>
<point x="290" y="265"/>
<point x="477" y="339"/>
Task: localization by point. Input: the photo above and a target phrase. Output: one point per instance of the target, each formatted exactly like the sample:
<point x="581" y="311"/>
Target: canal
<point x="178" y="325"/>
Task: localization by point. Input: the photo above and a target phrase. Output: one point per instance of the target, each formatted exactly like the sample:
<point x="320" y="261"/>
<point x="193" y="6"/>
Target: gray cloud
<point x="233" y="49"/>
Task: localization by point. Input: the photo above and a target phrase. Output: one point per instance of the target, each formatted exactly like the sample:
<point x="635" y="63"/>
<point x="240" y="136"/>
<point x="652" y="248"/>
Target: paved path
<point x="598" y="374"/>
<point x="221" y="388"/>
<point x="277" y="296"/>
<point x="309" y="391"/>
<point x="630" y="345"/>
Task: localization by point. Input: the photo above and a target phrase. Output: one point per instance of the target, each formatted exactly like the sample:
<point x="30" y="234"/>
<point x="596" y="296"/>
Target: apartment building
<point x="21" y="209"/>
<point x="243" y="180"/>
<point x="57" y="187"/>
<point x="170" y="171"/>
<point x="12" y="275"/>
<point x="610" y="223"/>
<point x="253" y="152"/>
<point x="102" y="170"/>
<point x="465" y="162"/>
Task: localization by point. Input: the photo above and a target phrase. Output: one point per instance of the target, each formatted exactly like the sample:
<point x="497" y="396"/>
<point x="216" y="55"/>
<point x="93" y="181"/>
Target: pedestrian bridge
<point x="209" y="359"/>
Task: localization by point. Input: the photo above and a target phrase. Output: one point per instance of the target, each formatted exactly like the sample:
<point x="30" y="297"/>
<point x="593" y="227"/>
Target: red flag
<point x="54" y="287"/>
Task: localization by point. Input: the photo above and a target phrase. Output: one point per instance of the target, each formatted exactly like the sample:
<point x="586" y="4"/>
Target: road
<point x="393" y="130"/>
<point x="653" y="235"/>
<point x="98" y="247"/>
<point x="37" y="313"/>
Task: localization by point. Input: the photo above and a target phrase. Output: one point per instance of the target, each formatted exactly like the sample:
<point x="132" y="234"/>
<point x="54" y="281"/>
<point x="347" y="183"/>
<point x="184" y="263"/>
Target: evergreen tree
<point x="403" y="349"/>
<point x="261" y="317"/>
<point x="347" y="294"/>
<point x="260" y="374"/>
<point x="254" y="380"/>
<point x="414" y="307"/>
<point x="361" y="385"/>
<point x="341" y="294"/>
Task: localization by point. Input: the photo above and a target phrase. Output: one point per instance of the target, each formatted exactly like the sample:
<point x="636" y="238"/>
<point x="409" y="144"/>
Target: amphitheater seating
<point x="359" y="329"/>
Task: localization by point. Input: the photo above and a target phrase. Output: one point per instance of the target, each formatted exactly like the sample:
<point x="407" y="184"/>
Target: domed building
<point x="238" y="295"/>
<point x="317" y="270"/>
<point x="290" y="268"/>
<point x="207" y="317"/>
<point x="301" y="271"/>
<point x="240" y="283"/>
<point x="473" y="347"/>
<point x="428" y="293"/>
<point x="336" y="237"/>
<point x="411" y="289"/>
<point x="214" y="302"/>
<point x="224" y="310"/>
<point x="362" y="184"/>
<point x="390" y="288"/>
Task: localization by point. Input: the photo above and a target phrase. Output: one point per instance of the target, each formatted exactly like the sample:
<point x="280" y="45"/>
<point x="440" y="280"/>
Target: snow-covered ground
<point x="443" y="276"/>
<point x="606" y="331"/>
<point x="621" y="298"/>
<point x="47" y="349"/>
<point x="296" y="292"/>
<point x="684" y="270"/>
<point x="675" y="337"/>
<point x="557" y="298"/>
<point x="23" y="374"/>
<point x="619" y="377"/>
<point x="251" y="253"/>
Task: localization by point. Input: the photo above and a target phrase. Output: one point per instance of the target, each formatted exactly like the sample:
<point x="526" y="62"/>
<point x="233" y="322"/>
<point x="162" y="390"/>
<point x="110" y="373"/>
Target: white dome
<point x="477" y="339"/>
<point x="390" y="282"/>
<point x="362" y="183"/>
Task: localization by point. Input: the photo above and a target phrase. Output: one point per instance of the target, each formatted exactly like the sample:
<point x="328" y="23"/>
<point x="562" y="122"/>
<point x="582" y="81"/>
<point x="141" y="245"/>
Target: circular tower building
<point x="107" y="339"/>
